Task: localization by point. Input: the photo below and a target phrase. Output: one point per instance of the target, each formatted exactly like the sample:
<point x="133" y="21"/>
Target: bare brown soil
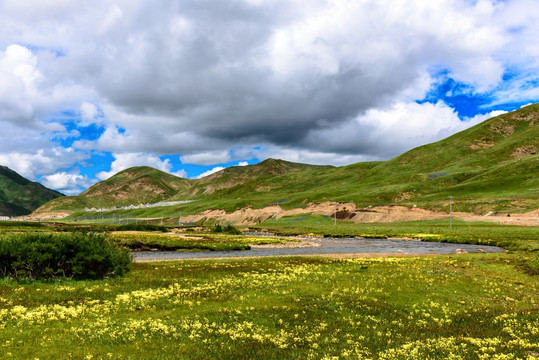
<point x="48" y="215"/>
<point x="502" y="128"/>
<point x="524" y="151"/>
<point x="345" y="211"/>
<point x="348" y="211"/>
<point x="479" y="144"/>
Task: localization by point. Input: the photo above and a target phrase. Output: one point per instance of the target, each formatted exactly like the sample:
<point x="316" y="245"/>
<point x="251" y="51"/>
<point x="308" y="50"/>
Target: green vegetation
<point x="460" y="307"/>
<point x="192" y="242"/>
<point x="143" y="237"/>
<point x="227" y="229"/>
<point x="523" y="240"/>
<point x="141" y="227"/>
<point x="468" y="306"/>
<point x="19" y="196"/>
<point x="35" y="256"/>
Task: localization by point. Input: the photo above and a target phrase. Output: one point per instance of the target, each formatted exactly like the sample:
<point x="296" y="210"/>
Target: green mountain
<point x="20" y="196"/>
<point x="491" y="166"/>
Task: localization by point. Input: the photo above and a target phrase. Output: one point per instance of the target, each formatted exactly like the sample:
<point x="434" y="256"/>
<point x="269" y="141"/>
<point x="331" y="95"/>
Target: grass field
<point x="459" y="307"/>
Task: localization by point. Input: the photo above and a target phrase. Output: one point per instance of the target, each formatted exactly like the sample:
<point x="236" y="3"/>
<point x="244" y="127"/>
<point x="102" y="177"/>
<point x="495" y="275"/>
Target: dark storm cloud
<point x="212" y="70"/>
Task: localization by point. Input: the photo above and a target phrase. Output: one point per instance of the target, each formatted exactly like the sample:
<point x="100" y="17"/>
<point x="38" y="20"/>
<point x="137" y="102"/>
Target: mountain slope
<point x="491" y="166"/>
<point x="243" y="178"/>
<point x="20" y="196"/>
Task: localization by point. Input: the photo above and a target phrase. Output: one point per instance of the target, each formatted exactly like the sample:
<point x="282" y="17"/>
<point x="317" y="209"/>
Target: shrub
<point x="141" y="227"/>
<point x="76" y="255"/>
<point x="228" y="229"/>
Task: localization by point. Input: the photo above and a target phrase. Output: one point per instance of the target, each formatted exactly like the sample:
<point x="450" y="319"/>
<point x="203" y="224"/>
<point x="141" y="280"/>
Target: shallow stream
<point x="324" y="246"/>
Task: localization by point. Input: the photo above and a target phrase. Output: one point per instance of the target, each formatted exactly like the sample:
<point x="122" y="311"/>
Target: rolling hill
<point x="489" y="167"/>
<point x="20" y="196"/>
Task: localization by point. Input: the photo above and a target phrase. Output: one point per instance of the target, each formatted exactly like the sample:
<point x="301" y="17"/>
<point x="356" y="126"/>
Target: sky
<point x="90" y="88"/>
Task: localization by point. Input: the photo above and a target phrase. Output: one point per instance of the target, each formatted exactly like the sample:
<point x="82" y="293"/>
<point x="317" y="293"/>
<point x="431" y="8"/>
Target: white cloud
<point x="209" y="172"/>
<point x="243" y="163"/>
<point x="207" y="158"/>
<point x="482" y="117"/>
<point x="181" y="173"/>
<point x="27" y="95"/>
<point x="382" y="134"/>
<point x="127" y="160"/>
<point x="43" y="162"/>
<point x="66" y="183"/>
<point x="88" y="112"/>
<point x="309" y="157"/>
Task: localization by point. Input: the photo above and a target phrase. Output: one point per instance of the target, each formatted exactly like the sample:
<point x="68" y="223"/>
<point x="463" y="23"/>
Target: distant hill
<point x="244" y="178"/>
<point x="491" y="166"/>
<point x="20" y="196"/>
<point x="133" y="186"/>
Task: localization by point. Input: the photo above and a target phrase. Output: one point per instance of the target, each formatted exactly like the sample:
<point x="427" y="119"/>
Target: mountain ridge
<point x="20" y="196"/>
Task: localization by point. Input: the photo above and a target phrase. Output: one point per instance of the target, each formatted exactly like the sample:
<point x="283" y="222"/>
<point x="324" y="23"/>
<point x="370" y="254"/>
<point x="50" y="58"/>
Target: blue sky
<point x="91" y="88"/>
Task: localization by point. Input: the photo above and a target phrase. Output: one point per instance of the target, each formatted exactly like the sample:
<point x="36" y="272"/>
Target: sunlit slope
<point x="134" y="186"/>
<point x="495" y="161"/>
<point x="491" y="166"/>
<point x="20" y="196"/>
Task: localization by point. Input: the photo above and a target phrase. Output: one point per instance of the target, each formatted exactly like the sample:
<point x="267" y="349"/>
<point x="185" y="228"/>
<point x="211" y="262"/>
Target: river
<point x="326" y="246"/>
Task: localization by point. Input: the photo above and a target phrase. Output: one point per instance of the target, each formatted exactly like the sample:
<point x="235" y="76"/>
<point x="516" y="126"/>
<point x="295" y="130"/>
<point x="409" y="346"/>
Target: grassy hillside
<point x="491" y="166"/>
<point x="244" y="180"/>
<point x="20" y="196"/>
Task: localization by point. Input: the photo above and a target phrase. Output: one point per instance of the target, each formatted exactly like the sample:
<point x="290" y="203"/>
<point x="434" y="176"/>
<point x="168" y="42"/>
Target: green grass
<point x="461" y="307"/>
<point x="474" y="306"/>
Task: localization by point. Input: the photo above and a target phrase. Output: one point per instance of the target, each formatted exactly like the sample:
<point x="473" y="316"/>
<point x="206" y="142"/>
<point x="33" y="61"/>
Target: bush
<point x="142" y="227"/>
<point x="228" y="229"/>
<point x="75" y="255"/>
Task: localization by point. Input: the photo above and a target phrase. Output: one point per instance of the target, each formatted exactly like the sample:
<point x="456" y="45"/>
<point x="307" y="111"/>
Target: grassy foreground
<point x="460" y="307"/>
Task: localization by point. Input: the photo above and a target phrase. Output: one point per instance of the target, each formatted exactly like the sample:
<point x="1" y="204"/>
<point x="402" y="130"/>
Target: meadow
<point x="468" y="306"/>
<point x="458" y="307"/>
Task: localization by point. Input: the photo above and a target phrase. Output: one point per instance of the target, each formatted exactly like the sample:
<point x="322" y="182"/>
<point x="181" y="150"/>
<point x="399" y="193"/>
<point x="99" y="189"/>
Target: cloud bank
<point x="212" y="82"/>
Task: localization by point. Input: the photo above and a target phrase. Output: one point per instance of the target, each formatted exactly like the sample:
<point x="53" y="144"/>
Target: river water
<point x="324" y="246"/>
